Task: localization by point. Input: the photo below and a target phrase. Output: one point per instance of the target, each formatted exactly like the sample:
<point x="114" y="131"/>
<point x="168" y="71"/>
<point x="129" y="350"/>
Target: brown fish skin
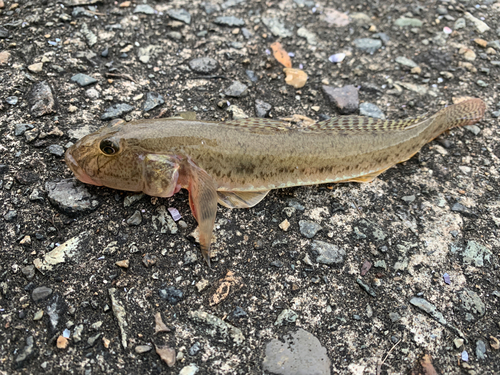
<point x="237" y="162"/>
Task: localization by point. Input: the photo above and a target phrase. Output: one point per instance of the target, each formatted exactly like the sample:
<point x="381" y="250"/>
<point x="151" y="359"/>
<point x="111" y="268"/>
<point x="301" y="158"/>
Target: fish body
<point x="236" y="163"/>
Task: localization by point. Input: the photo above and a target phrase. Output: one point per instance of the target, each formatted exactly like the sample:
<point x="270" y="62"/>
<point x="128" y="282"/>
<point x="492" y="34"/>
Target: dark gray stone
<point x="19" y="129"/>
<point x="171" y="294"/>
<point x="480" y="349"/>
<point x="40" y="293"/>
<point x="328" y="253"/>
<point x="83" y="79"/>
<point x="371" y="110"/>
<point x="12" y="100"/>
<point x="116" y="110"/>
<point x="301" y="353"/>
<point x="4" y="33"/>
<point x="28" y="352"/>
<point x="368" y="45"/>
<point x="41" y="99"/>
<point x="70" y="197"/>
<point x="56" y="150"/>
<point x="237" y="89"/>
<point x="251" y="75"/>
<point x="345" y="99"/>
<point x="144" y="9"/>
<point x="309" y="228"/>
<point x="153" y="100"/>
<point x="10" y="216"/>
<point x="135" y="219"/>
<point x="204" y="65"/>
<point x="229" y="21"/>
<point x="180" y="15"/>
<point x="262" y="108"/>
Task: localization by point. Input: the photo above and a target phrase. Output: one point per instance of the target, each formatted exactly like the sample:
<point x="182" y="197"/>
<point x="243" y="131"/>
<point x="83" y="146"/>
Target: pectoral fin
<point x="240" y="199"/>
<point x="203" y="202"/>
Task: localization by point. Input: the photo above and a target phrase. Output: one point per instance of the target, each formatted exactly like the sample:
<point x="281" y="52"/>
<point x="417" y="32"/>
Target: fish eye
<point x="109" y="147"/>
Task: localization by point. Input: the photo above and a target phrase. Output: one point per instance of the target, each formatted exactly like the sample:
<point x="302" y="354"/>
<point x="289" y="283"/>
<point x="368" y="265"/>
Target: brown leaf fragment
<point x="281" y="55"/>
<point x="494" y="343"/>
<point x="230" y="283"/>
<point x="167" y="354"/>
<point x="425" y="368"/>
<point x="160" y="326"/>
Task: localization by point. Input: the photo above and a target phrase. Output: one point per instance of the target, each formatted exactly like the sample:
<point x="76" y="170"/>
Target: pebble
<point x="408" y="22"/>
<point x="171" y="294"/>
<point x="149" y="260"/>
<point x="180" y="15"/>
<point x="26" y="353"/>
<point x="230" y="21"/>
<point x="83" y="79"/>
<point x="40" y="293"/>
<point x="277" y="27"/>
<point x="472" y="302"/>
<point x="262" y="108"/>
<point x="190" y="369"/>
<point x="20" y="129"/>
<point x="41" y="99"/>
<point x="406" y="62"/>
<point x="368" y="45"/>
<point x="300" y="353"/>
<point x="131" y="199"/>
<point x="368" y="289"/>
<point x="328" y="253"/>
<point x="166" y="354"/>
<point x="144" y="9"/>
<point x="194" y="349"/>
<point x="429" y="308"/>
<point x="116" y="110"/>
<point x="480" y="349"/>
<point x="286" y="316"/>
<point x="337" y="57"/>
<point x="140" y="349"/>
<point x="89" y="35"/>
<point x="308" y="35"/>
<point x="251" y="75"/>
<point x="120" y="315"/>
<point x="371" y="110"/>
<point x="204" y="65"/>
<point x="28" y="271"/>
<point x="12" y="100"/>
<point x="494" y="44"/>
<point x="4" y="33"/>
<point x="92" y="94"/>
<point x="218" y="327"/>
<point x="237" y="89"/>
<point x="56" y="150"/>
<point x="10" y="215"/>
<point x="309" y="228"/>
<point x="481" y="27"/>
<point x="70" y="197"/>
<point x="135" y="219"/>
<point x="4" y="55"/>
<point x="460" y="24"/>
<point x="153" y="100"/>
<point x="81" y="12"/>
<point x="210" y="8"/>
<point x="36" y="68"/>
<point x="237" y="112"/>
<point x="190" y="257"/>
<point x="345" y="99"/>
<point x="38" y="315"/>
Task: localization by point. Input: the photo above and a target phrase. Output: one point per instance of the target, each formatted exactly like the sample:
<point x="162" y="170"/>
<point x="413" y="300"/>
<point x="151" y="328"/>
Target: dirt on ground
<point x="396" y="276"/>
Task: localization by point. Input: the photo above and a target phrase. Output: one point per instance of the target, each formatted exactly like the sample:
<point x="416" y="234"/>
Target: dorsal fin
<point x="366" y="124"/>
<point x="260" y="124"/>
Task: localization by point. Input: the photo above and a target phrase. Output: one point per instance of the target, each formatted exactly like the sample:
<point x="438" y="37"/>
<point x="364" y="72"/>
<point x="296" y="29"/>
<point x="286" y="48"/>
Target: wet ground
<point x="397" y="276"/>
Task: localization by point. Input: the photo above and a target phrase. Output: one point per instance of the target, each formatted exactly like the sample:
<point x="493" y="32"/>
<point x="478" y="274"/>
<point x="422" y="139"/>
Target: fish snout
<point x="76" y="168"/>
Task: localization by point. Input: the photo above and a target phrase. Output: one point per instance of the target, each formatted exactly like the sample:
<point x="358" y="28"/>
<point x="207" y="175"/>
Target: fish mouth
<point x="77" y="170"/>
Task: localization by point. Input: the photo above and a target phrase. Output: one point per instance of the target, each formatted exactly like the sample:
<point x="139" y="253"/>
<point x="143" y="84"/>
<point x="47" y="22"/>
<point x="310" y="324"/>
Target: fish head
<point x="109" y="158"/>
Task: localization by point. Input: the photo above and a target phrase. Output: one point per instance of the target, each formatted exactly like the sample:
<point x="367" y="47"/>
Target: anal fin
<point x="240" y="199"/>
<point x="369" y="177"/>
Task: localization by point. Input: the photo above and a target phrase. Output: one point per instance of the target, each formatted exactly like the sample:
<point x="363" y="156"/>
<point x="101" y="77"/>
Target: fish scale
<point x="236" y="163"/>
